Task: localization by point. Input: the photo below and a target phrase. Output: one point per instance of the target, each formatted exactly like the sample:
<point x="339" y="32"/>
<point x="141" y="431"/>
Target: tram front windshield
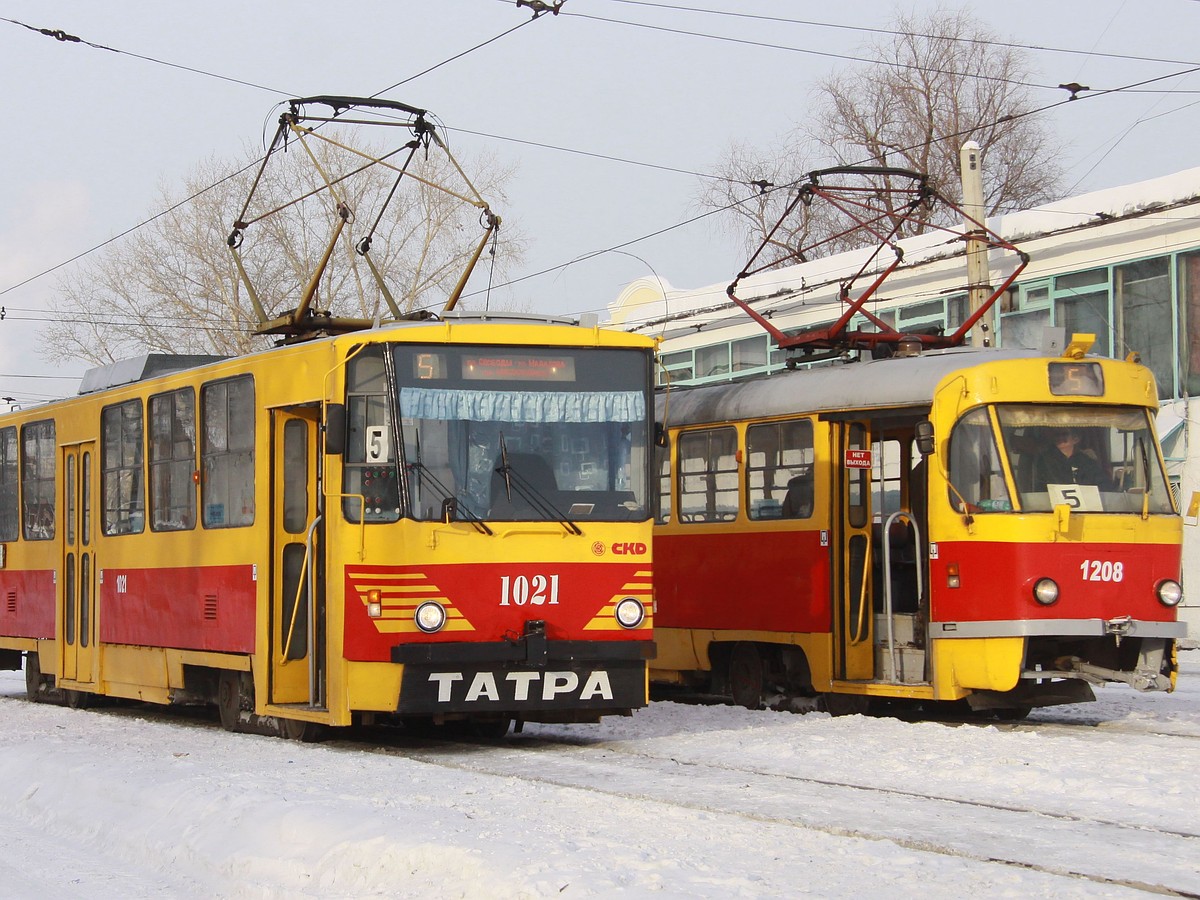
<point x="1089" y="458"/>
<point x="524" y="434"/>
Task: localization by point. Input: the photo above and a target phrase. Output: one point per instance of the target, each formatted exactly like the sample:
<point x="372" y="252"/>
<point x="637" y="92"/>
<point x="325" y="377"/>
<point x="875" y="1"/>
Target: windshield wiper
<point x="452" y="507"/>
<point x="1141" y="443"/>
<point x="537" y="501"/>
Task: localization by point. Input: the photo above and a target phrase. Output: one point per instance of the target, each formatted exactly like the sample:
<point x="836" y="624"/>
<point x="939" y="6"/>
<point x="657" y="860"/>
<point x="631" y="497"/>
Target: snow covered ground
<point x="680" y="801"/>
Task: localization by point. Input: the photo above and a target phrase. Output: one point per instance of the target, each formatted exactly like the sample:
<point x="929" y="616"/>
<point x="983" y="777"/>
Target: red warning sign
<point x="858" y="459"/>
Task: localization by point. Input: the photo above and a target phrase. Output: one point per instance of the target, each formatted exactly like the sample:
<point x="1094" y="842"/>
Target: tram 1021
<point x="431" y="521"/>
<point x="986" y="528"/>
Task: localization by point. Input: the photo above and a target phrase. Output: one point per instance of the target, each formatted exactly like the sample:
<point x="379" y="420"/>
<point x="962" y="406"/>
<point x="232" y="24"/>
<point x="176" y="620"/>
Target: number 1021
<point x="538" y="590"/>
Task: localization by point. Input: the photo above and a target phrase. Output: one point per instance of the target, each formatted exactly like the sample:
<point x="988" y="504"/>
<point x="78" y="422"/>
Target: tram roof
<point x="877" y="384"/>
<point x="139" y="368"/>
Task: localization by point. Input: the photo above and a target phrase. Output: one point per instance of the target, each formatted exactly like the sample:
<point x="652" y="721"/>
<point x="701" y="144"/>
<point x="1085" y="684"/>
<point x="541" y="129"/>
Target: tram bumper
<point x="1145" y="663"/>
<point x="531" y="677"/>
<point x="1142" y="679"/>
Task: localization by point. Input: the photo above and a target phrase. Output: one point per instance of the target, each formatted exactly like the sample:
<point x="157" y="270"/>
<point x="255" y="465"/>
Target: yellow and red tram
<point x="889" y="532"/>
<point x="442" y="520"/>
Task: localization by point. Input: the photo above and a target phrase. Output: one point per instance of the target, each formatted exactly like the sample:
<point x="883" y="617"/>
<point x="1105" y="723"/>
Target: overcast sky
<point x="92" y="134"/>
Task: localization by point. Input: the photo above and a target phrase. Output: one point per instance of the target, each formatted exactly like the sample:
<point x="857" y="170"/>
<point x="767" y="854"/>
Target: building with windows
<point x="1122" y="264"/>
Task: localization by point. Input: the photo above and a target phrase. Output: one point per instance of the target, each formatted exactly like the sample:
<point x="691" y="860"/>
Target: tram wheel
<point x="746" y="675"/>
<point x="305" y="732"/>
<point x="229" y="699"/>
<point x="34" y="683"/>
<point x="488" y="729"/>
<point x="1012" y="713"/>
<point x="845" y="704"/>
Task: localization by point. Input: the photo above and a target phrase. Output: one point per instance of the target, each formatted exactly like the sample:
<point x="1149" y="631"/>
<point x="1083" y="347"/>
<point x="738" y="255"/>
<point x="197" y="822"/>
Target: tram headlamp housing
<point x="1045" y="591"/>
<point x="1169" y="592"/>
<point x="630" y="613"/>
<point x="430" y="616"/>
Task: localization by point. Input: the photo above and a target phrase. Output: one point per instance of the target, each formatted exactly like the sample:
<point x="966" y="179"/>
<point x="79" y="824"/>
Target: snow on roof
<point x="651" y="301"/>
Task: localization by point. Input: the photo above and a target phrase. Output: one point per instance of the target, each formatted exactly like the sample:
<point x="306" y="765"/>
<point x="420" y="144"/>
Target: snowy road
<point x="677" y="800"/>
<point x="1050" y="839"/>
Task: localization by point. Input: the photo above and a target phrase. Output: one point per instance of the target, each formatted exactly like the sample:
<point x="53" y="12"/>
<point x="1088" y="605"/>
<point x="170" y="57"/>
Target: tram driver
<point x="1064" y="462"/>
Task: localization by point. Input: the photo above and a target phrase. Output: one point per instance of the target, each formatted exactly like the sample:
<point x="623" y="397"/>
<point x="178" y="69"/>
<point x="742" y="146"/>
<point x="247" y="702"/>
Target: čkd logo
<point x="629" y="548"/>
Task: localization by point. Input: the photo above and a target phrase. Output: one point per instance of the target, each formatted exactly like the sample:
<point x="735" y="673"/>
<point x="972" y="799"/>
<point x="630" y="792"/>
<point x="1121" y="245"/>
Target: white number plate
<point x="533" y="590"/>
<point x="1102" y="570"/>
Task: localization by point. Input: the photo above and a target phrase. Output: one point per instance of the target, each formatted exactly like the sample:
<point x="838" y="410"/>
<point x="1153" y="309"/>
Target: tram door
<point x="296" y="640"/>
<point x="76" y="577"/>
<point x="853" y="619"/>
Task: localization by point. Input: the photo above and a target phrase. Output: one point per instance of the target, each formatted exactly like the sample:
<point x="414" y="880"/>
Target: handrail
<point x="300" y="585"/>
<point x="887" y="580"/>
<point x="311" y="575"/>
<point x="861" y="630"/>
<point x="307" y="579"/>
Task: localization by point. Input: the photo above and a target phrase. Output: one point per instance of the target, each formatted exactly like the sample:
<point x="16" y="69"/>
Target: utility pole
<point x="974" y="218"/>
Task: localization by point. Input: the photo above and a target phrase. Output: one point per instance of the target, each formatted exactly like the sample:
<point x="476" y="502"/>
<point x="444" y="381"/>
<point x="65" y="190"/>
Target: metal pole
<point x="974" y="219"/>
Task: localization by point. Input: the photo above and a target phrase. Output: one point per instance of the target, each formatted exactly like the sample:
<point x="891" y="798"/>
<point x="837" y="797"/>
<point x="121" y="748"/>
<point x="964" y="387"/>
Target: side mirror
<point x="335" y="428"/>
<point x="660" y="435"/>
<point x="925" y="437"/>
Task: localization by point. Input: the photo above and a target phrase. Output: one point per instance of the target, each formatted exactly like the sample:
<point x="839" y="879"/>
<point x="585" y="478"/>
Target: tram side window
<point x="173" y="461"/>
<point x="227" y="453"/>
<point x="37" y="479"/>
<point x="976" y="475"/>
<point x="708" y="476"/>
<point x="662" y="461"/>
<point x="887" y="468"/>
<point x="779" y="470"/>
<point x="122" y="484"/>
<point x="8" y="484"/>
<point x="370" y="458"/>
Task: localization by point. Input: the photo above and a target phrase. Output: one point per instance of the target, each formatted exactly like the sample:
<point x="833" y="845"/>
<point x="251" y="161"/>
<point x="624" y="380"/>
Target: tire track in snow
<point x="1116" y="853"/>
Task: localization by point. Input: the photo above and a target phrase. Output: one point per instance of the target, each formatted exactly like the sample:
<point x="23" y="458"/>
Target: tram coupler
<point x="1140" y="679"/>
<point x="537" y="651"/>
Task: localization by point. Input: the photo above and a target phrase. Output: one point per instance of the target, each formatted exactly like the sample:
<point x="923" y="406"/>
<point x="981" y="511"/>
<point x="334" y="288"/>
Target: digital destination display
<point x="490" y="365"/>
<point x="517" y="367"/>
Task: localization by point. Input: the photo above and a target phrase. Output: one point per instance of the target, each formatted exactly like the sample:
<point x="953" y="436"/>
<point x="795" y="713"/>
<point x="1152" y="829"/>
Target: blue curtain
<point x="522" y="406"/>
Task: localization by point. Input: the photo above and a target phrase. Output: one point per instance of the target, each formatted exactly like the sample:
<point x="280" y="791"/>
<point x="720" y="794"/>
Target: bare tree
<point x="173" y="287"/>
<point x="936" y="82"/>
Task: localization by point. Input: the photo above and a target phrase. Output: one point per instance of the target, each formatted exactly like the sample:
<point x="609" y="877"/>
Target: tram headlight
<point x="1169" y="591"/>
<point x="1045" y="591"/>
<point x="430" y="616"/>
<point x="630" y="613"/>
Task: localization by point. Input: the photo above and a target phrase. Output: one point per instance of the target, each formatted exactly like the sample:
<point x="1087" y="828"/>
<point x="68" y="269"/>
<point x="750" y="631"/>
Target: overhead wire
<point x="891" y="32"/>
<point x="63" y="36"/>
<point x="864" y="161"/>
<point x="456" y="56"/>
<point x="617" y="247"/>
<point x="577" y="152"/>
<point x="59" y="35"/>
<point x="827" y="54"/>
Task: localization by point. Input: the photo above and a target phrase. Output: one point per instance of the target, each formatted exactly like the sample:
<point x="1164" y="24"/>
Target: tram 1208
<point x="434" y="520"/>
<point x="981" y="527"/>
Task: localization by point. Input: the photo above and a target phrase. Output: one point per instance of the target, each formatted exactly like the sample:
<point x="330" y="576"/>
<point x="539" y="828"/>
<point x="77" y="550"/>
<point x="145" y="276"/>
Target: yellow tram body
<point x="874" y="530"/>
<point x="269" y="533"/>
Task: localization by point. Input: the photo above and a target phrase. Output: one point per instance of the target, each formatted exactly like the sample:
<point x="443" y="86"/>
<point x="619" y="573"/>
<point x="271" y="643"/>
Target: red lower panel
<point x="491" y="602"/>
<point x="27" y="604"/>
<point x="772" y="581"/>
<point x="1095" y="581"/>
<point x="197" y="608"/>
